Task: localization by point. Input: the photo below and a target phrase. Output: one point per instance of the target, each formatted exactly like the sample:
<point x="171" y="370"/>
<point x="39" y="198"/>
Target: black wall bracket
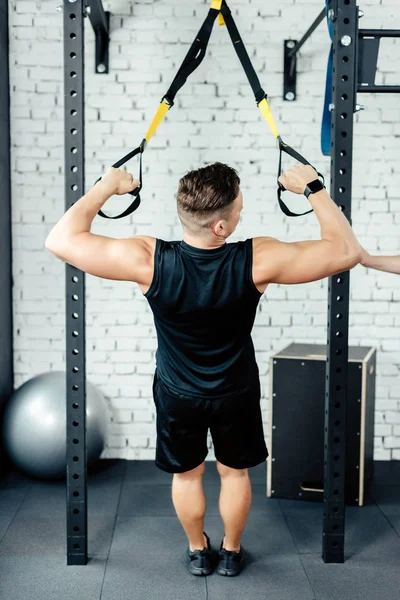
<point x="100" y="20"/>
<point x="290" y="50"/>
<point x="289" y="70"/>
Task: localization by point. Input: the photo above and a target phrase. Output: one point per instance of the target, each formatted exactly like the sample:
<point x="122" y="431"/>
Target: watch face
<point x="316" y="186"/>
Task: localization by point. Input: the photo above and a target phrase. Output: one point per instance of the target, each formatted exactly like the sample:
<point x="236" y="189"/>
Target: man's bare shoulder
<point x="264" y="244"/>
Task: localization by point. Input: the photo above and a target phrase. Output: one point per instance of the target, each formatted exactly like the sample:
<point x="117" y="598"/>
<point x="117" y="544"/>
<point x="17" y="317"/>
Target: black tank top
<point x="204" y="304"/>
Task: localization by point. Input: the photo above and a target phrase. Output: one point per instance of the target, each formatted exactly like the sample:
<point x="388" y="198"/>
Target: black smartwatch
<point x="313" y="187"/>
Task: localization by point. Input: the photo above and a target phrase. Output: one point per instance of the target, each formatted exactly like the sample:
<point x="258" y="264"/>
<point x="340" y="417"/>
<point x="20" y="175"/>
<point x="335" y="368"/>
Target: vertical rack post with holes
<point x="344" y="13"/>
<point x="75" y="287"/>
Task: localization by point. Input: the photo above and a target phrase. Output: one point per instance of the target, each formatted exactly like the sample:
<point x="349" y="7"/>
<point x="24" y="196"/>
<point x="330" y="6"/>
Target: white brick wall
<point x="214" y="119"/>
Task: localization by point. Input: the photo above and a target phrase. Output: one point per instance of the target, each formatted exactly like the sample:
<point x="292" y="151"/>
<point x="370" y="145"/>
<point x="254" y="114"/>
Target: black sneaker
<point x="230" y="563"/>
<point x="200" y="561"/>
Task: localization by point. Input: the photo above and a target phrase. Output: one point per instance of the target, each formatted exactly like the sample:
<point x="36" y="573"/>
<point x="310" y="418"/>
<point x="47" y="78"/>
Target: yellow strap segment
<point x="267" y="114"/>
<point x="221" y="20"/>
<point x="158" y="117"/>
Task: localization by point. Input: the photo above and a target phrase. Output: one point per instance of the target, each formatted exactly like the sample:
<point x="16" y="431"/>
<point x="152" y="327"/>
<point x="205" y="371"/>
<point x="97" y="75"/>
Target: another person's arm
<point x="299" y="262"/>
<point x="121" y="259"/>
<point x="390" y="264"/>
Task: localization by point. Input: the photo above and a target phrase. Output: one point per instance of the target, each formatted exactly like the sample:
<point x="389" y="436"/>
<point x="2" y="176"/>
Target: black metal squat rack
<point x="355" y="55"/>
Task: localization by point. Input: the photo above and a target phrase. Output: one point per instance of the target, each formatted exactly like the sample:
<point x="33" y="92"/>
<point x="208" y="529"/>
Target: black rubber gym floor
<point x="136" y="543"/>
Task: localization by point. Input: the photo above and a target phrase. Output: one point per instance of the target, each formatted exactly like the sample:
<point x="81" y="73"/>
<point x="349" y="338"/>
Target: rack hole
<point x="338" y="388"/>
<point x="337" y="440"/>
<point x="75" y="351"/>
<point x="337" y="423"/>
<point x="73" y="94"/>
<point x="344" y="78"/>
<point x="75" y="476"/>
<point x="72" y="36"/>
<point x="74" y="150"/>
<point x="75" y="388"/>
<point x="75" y="423"/>
<point x="72" y="17"/>
<point x="76" y="546"/>
<point x="343" y="153"/>
<point x="75" y="297"/>
<point x="76" y="528"/>
<point x="342" y="171"/>
<point x="336" y="458"/>
<point x="337" y="404"/>
<point x="345" y="59"/>
<point x="75" y="405"/>
<point x="74" y="131"/>
<point x="344" y="96"/>
<point x="339" y="298"/>
<point x="76" y="459"/>
<point x="76" y="511"/>
<point x="75" y="441"/>
<point x="346" y="21"/>
<point x="75" y="369"/>
<point x="339" y="280"/>
<point x="343" y="134"/>
<point x="73" y="74"/>
<point x="74" y="187"/>
<point x="76" y="494"/>
<point x="338" y="334"/>
<point x="73" y="112"/>
<point x="75" y="316"/>
<point x="75" y="279"/>
<point x="343" y="116"/>
<point x="338" y="370"/>
<point x="72" y="54"/>
<point x="74" y="169"/>
<point x="75" y="334"/>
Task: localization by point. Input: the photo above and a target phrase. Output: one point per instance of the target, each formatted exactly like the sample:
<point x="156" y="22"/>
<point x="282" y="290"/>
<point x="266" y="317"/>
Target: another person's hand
<point x="296" y="178"/>
<point x="365" y="257"/>
<point x="118" y="181"/>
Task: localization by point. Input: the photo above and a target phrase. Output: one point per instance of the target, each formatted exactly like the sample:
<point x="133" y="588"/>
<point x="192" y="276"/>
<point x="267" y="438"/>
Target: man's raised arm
<point x="123" y="259"/>
<point x="300" y="262"/>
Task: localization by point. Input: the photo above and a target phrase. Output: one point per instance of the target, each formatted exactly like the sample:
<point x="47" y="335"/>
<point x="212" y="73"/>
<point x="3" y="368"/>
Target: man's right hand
<point x="118" y="181"/>
<point x="296" y="178"/>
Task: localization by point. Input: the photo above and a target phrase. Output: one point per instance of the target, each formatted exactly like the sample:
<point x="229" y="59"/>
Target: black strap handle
<point x="136" y="192"/>
<point x="281" y="188"/>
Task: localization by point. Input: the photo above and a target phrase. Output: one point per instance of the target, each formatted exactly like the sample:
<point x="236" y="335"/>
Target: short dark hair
<point x="208" y="190"/>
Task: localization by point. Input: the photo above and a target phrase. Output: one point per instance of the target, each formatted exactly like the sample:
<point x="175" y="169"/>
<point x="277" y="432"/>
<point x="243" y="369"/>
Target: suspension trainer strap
<point x="262" y="102"/>
<point x="190" y="63"/>
<point x="192" y="60"/>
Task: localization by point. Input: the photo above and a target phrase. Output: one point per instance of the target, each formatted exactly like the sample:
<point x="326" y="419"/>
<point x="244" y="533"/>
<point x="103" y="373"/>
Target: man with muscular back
<point x="204" y="294"/>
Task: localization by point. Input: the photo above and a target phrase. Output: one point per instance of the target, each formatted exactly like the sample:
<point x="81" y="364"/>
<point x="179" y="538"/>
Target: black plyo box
<point x="296" y="417"/>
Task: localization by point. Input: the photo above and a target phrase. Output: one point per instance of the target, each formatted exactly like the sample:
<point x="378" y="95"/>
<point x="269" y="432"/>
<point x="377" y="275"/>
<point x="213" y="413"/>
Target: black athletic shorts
<point x="235" y="423"/>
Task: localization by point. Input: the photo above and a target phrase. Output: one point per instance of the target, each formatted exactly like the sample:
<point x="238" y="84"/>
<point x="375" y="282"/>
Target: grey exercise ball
<point x="34" y="425"/>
